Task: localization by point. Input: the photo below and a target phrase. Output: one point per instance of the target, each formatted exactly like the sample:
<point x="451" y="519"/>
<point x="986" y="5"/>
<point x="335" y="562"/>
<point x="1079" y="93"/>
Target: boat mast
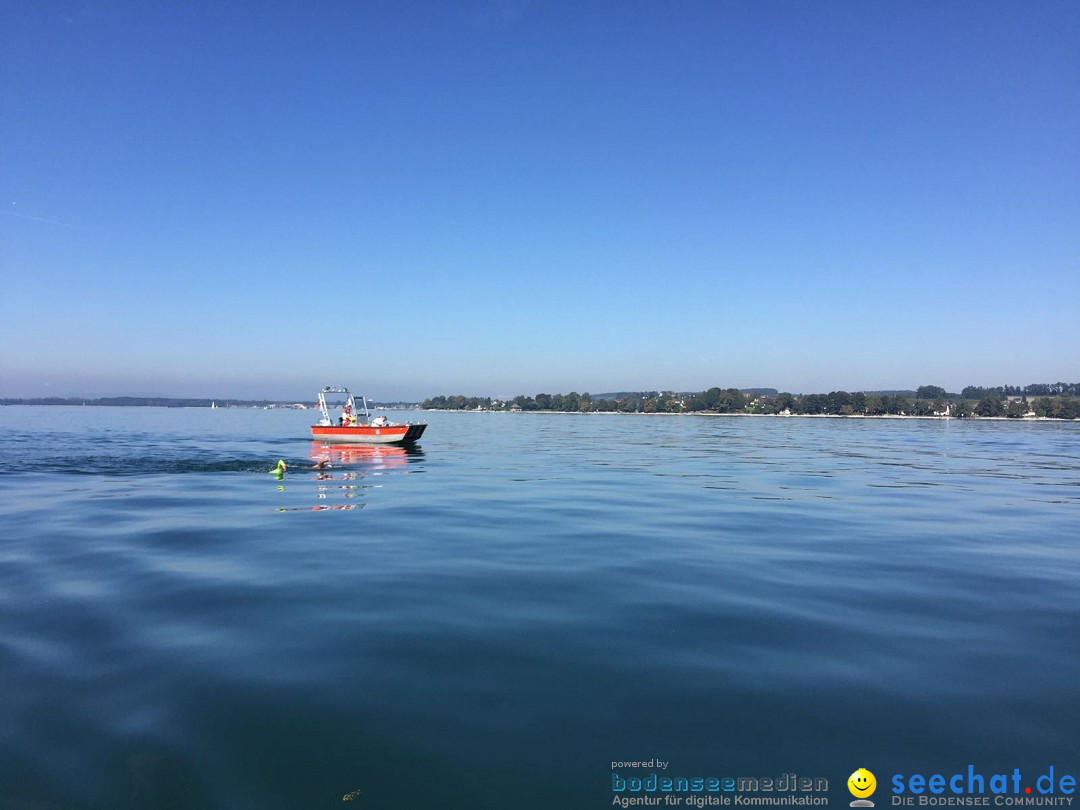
<point x="322" y="406"/>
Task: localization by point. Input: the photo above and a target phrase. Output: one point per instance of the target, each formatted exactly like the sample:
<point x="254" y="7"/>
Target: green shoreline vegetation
<point x="1045" y="400"/>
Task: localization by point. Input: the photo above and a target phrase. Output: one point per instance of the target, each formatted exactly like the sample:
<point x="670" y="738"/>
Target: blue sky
<point x="495" y="198"/>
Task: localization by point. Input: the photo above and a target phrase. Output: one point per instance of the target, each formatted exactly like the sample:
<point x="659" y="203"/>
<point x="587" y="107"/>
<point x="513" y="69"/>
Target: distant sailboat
<point x="213" y="404"/>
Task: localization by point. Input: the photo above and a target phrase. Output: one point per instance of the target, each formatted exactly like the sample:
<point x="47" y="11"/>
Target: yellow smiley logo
<point x="861" y="783"/>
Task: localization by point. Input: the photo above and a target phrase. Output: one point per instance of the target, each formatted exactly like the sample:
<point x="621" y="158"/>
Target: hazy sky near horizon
<point x="494" y="198"/>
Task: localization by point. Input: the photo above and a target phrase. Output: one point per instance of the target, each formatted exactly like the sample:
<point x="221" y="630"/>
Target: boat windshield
<point x="338" y="406"/>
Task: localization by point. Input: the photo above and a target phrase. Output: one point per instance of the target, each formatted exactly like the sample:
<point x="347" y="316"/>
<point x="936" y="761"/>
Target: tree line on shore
<point x="1055" y="401"/>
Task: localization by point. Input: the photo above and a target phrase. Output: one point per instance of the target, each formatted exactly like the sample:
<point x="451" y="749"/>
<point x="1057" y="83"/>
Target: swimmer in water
<point x="322" y="465"/>
<point x="280" y="469"/>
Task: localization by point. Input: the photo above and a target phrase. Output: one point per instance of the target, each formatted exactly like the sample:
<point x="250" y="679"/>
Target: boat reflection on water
<point x="340" y="473"/>
<point x="341" y="482"/>
<point x="340" y="490"/>
<point x="368" y="457"/>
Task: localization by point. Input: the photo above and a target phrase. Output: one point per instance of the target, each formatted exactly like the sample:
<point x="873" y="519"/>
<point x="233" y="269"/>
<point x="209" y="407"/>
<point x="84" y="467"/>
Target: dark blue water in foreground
<point x="492" y="619"/>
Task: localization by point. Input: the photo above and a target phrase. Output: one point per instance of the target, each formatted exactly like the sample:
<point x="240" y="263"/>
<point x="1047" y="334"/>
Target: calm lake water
<point x="493" y="619"/>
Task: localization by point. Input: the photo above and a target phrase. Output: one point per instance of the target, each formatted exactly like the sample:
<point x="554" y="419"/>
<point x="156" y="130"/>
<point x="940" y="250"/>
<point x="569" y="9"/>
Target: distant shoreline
<point x="712" y="414"/>
<point x="1058" y="401"/>
<point x="259" y="405"/>
<point x="178" y="402"/>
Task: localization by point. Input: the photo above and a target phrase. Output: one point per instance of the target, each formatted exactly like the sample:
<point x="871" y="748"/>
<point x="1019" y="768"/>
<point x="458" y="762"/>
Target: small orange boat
<point x="352" y="427"/>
